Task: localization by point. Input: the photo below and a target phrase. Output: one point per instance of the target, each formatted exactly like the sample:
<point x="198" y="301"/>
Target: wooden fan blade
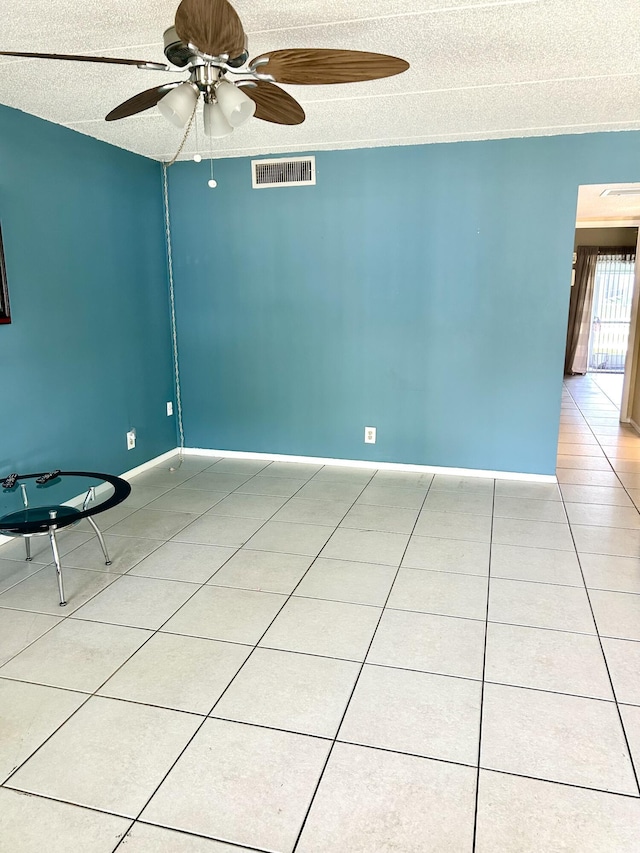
<point x="311" y="66"/>
<point x="213" y="26"/>
<point x="108" y="60"/>
<point x="140" y="102"/>
<point x="274" y="104"/>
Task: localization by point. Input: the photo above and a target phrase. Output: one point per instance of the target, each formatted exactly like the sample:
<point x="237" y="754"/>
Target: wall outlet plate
<point x="169" y="408"/>
<point x="131" y="439"/>
<point x="369" y="435"/>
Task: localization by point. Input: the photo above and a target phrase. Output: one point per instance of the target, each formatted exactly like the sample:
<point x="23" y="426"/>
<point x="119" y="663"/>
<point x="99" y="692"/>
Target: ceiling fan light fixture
<point x="177" y="105"/>
<point x="208" y="41"/>
<point x="235" y="105"/>
<point x="215" y="122"/>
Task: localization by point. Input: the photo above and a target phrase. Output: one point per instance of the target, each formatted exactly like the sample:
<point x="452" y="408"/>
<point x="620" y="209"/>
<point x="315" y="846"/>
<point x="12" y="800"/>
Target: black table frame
<point x="62" y="515"/>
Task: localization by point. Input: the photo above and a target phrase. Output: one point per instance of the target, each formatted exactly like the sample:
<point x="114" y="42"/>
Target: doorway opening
<point x="598" y="437"/>
<point x="602" y="334"/>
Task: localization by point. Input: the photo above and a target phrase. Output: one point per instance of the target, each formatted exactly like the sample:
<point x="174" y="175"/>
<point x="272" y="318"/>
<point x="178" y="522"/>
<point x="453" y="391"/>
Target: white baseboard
<point x="379" y="466"/>
<point x="634" y="425"/>
<point x="318" y="460"/>
<point x="150" y="464"/>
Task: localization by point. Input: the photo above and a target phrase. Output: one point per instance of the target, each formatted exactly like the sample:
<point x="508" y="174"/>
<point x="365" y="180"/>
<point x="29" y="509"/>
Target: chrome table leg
<point x="56" y="557"/>
<point x="27" y="545"/>
<point x="100" y="540"/>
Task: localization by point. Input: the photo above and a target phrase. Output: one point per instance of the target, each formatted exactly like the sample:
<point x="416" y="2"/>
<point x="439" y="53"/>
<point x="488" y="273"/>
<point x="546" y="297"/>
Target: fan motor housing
<point x="180" y="54"/>
<point x="177" y="52"/>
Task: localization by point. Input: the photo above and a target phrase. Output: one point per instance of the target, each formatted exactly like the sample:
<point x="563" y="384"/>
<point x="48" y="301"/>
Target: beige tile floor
<point x="288" y="657"/>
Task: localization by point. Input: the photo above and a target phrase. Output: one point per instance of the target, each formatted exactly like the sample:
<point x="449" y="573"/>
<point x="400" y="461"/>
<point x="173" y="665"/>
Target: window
<point x="611" y="314"/>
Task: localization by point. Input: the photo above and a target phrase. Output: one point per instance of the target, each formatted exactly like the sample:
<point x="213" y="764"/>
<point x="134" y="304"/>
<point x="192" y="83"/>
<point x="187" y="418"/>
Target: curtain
<point x="580" y="306"/>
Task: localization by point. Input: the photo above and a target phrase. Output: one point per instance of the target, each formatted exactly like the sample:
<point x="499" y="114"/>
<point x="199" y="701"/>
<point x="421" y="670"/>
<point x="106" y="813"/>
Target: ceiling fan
<point x="209" y="41"/>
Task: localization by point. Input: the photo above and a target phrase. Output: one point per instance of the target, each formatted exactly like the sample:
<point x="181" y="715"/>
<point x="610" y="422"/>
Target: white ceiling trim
<point x="607" y="223"/>
<point x="376" y="142"/>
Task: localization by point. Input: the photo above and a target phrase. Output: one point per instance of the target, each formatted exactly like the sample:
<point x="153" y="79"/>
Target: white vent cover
<point x="623" y="191"/>
<point x="290" y="172"/>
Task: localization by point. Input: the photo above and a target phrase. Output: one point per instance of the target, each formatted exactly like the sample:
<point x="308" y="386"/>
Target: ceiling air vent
<point x="292" y="172"/>
<point x="622" y="191"/>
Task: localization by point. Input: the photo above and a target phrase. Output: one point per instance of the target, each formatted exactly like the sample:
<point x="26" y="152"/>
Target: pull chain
<point x="212" y="181"/>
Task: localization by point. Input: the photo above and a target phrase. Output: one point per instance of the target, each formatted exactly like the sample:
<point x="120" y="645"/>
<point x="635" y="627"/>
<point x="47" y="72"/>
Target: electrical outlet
<point x="369" y="435"/>
<point x="131" y="439"/>
<point x="169" y="408"/>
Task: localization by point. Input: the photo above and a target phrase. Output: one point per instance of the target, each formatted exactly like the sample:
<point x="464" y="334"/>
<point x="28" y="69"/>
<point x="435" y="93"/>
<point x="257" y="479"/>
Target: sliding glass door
<point x="611" y="315"/>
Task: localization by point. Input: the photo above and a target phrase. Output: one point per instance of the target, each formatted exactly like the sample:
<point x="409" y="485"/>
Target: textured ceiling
<point x="480" y="69"/>
<point x="593" y="206"/>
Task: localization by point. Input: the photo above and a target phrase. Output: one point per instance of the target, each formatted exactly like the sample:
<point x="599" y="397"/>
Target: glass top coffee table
<point x="40" y="504"/>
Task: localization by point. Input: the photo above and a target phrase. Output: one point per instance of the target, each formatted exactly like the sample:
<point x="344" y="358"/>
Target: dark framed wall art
<point x="5" y="312"/>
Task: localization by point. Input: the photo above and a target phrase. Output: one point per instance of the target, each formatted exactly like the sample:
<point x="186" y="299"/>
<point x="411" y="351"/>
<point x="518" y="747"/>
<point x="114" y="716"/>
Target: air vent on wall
<point x="623" y="191"/>
<point x="292" y="172"/>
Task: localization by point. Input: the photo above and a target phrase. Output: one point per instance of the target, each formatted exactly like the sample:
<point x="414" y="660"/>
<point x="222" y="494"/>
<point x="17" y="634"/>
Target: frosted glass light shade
<point x="235" y="105"/>
<point x="177" y="105"/>
<point x="215" y="123"/>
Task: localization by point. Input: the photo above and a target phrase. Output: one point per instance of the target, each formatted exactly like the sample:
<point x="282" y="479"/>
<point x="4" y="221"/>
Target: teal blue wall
<point x="422" y="290"/>
<point x="87" y="355"/>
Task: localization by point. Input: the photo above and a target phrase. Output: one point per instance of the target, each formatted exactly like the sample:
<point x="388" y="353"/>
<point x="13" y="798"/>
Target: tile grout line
<point x="632" y="797"/>
<point x="66" y="616"/>
<point x="255" y="646"/>
<point x="362" y="667"/>
<point x="617" y="474"/>
<point x="206" y="583"/>
<point x="484" y="667"/>
<point x="606" y="663"/>
<point x="355" y="684"/>
<point x="166" y="541"/>
<point x="93" y="694"/>
<point x="613" y="690"/>
<point x="437" y="674"/>
<point x="445" y="675"/>
<point x="77" y="618"/>
<point x="635" y="770"/>
<point x="622" y="485"/>
<point x="74" y="614"/>
<point x="63" y="618"/>
<point x="189" y="834"/>
<point x="119" y="575"/>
